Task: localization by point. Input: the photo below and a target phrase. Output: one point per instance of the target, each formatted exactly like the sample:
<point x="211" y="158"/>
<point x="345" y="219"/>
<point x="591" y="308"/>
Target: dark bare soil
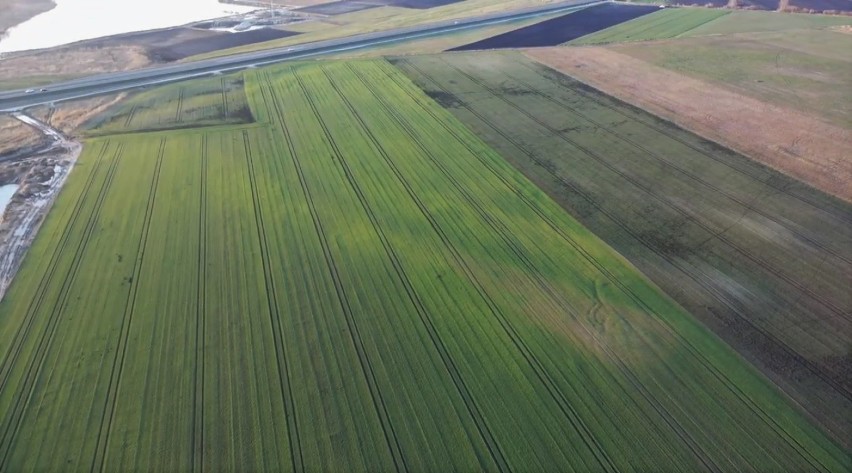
<point x="337" y="8"/>
<point x="564" y="28"/>
<point x="172" y="44"/>
<point x="184" y="49"/>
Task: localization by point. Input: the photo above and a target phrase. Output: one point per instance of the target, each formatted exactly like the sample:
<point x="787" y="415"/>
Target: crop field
<point x="563" y="28"/>
<point x="663" y="24"/>
<point x="356" y="282"/>
<point x="808" y="70"/>
<point x="744" y="21"/>
<point x="761" y="259"/>
<point x="217" y="100"/>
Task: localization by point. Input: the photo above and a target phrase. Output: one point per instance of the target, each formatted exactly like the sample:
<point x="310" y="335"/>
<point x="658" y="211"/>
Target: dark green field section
<point x="356" y="282"/>
<point x="759" y="258"/>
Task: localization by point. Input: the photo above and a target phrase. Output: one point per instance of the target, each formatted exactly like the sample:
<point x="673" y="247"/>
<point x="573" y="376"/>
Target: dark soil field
<point x="184" y="49"/>
<point x="564" y="28"/>
<point x="337" y="8"/>
<point x="761" y="259"/>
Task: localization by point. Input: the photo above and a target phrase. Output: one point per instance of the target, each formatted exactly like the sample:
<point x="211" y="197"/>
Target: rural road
<point x="113" y="82"/>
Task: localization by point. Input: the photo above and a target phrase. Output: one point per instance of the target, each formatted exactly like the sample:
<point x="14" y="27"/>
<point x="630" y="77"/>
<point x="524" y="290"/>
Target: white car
<point x="29" y="91"/>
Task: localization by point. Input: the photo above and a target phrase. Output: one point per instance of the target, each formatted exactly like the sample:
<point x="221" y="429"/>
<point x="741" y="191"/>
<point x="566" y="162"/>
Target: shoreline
<point x="19" y="11"/>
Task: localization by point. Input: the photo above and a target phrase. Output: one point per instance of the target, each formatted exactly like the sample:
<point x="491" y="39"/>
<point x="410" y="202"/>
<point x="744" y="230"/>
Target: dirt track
<point x="790" y="141"/>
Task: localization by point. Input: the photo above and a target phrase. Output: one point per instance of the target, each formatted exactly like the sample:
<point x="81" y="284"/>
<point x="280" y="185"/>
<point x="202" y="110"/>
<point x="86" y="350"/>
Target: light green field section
<point x="807" y="70"/>
<point x="216" y="100"/>
<point x="664" y="24"/>
<point x="744" y="21"/>
<point x="355" y="283"/>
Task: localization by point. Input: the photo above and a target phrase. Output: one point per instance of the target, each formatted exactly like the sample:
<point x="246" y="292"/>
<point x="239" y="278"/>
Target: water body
<point x="6" y="193"/>
<point x="76" y="20"/>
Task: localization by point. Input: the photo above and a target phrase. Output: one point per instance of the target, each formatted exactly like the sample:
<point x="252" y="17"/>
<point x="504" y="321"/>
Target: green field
<point x="217" y="100"/>
<point x="356" y="282"/>
<point x="714" y="229"/>
<point x="668" y="23"/>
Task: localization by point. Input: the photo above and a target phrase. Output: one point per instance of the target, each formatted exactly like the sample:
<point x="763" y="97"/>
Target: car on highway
<point x="29" y="91"/>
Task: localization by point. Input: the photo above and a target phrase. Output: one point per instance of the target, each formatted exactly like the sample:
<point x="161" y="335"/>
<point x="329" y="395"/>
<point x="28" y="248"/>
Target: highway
<point x="118" y="81"/>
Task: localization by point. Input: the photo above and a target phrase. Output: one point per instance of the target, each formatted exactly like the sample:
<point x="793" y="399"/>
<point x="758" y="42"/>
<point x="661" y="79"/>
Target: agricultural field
<point x="712" y="228"/>
<point x="744" y="21"/>
<point x="217" y="100"/>
<point x="808" y="70"/>
<point x="563" y="28"/>
<point x="356" y="282"/>
<point x="662" y="24"/>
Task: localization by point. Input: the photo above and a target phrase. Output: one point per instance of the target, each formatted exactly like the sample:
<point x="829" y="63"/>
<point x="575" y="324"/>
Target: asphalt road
<point x="113" y="82"/>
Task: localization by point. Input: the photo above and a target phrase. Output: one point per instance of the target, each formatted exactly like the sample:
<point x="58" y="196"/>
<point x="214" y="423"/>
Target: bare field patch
<point x="793" y="142"/>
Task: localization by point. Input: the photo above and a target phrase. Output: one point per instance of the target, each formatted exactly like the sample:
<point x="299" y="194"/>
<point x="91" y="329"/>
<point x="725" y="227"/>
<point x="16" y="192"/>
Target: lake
<point x="76" y="20"/>
<point x="6" y="193"/>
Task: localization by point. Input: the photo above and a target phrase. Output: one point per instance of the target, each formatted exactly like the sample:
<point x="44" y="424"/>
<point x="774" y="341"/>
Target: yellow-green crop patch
<point x="355" y="283"/>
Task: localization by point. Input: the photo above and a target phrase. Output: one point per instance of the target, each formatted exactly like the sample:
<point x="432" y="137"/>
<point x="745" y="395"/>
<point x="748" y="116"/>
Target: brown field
<point x="793" y="142"/>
